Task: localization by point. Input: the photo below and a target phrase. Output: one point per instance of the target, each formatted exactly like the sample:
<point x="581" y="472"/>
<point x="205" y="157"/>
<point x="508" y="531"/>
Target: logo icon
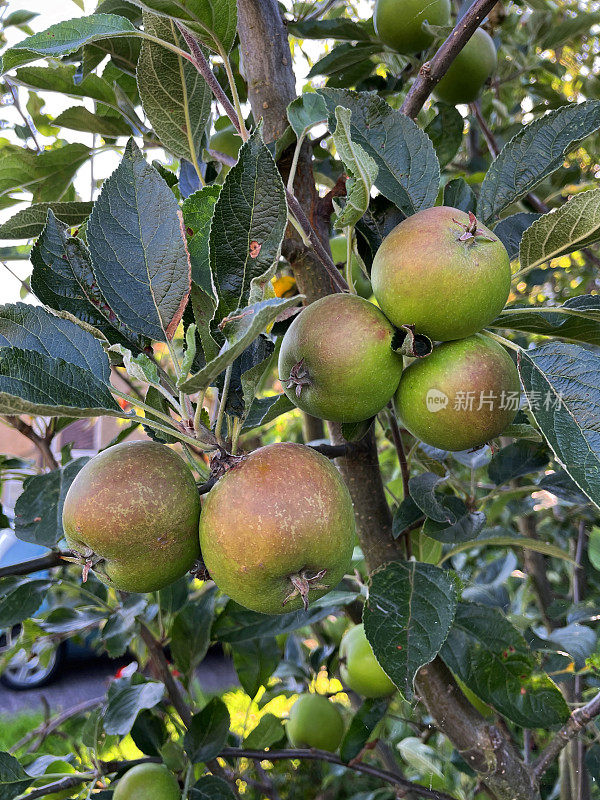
<point x="436" y="400"/>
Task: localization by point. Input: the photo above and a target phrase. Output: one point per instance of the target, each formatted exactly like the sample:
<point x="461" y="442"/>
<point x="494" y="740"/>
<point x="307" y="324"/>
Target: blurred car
<point x="28" y="670"/>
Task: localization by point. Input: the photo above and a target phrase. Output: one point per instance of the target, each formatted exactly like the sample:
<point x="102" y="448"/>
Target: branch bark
<point x="433" y="71"/>
<point x="43" y="445"/>
<point x="53" y="559"/>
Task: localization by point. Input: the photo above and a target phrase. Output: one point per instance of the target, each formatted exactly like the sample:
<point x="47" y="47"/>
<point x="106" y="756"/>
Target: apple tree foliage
<point x="479" y="589"/>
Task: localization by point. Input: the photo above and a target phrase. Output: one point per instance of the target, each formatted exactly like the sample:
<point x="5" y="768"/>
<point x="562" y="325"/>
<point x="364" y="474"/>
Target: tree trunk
<point x="271" y="87"/>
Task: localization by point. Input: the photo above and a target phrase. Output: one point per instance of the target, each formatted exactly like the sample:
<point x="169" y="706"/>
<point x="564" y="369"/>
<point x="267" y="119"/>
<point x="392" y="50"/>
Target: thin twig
<point x="25" y="117"/>
<point x="48" y="726"/>
<point x="575" y="725"/>
<point x="331" y="758"/>
<point x="53" y="559"/>
<point x="159" y="660"/>
<point x="433" y="71"/>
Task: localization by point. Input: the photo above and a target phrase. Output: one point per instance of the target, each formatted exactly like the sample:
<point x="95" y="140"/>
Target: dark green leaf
<point x="567" y="379"/>
<point x="61" y="78"/>
<point x="458" y="194"/>
<point x="29" y="222"/>
<point x="198" y="211"/>
<point x="207" y="734"/>
<point x="265" y="409"/>
<point x="409" y="171"/>
<point x="38" y="510"/>
<point x="536" y="151"/>
<point x="423" y="492"/>
<point x="149" y="733"/>
<point x="267" y="733"/>
<point x="78" y="118"/>
<point x="510" y="231"/>
<point x="175" y="97"/>
<point x="20" y="601"/>
<point x="47" y="175"/>
<point x="139" y="255"/>
<point x="344" y="57"/>
<point x="190" y="633"/>
<point x="33" y="328"/>
<point x="66" y="37"/>
<point x="407" y="513"/>
<point x="407" y="617"/>
<point x="517" y="459"/>
<point x="446" y="131"/>
<point x="340" y="28"/>
<point x="215" y="21"/>
<point x="238" y="624"/>
<point x="361" y="728"/>
<point x="120" y="627"/>
<point x="62" y="279"/>
<point x="492" y="658"/>
<point x="462" y="526"/>
<point x="306" y="111"/>
<point x="209" y="787"/>
<point x="13" y="778"/>
<point x="32" y="383"/>
<point x="125" y="702"/>
<point x="248" y="224"/>
<point x="255" y="660"/>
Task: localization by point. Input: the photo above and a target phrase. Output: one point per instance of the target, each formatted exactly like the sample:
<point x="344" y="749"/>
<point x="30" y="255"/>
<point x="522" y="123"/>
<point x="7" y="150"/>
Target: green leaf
<point x="207" y="734"/>
<point x="446" y="132"/>
<point x="47" y="175"/>
<point x="66" y="37"/>
<point x="361" y="727"/>
<point x="198" y="210"/>
<point x="175" y="97"/>
<point x="340" y="28"/>
<point x="13" y="778"/>
<point x="242" y="329"/>
<point x="578" y="319"/>
<point x="124" y="703"/>
<point x="190" y="633"/>
<point x="30" y="222"/>
<point x="407" y="513"/>
<point x="78" y="118"/>
<point x="209" y="787"/>
<point x="594" y="548"/>
<point x="62" y="78"/>
<point x="33" y="328"/>
<point x="265" y="409"/>
<point x="267" y="733"/>
<point x="139" y="256"/>
<point x="361" y="167"/>
<point x="38" y="510"/>
<point x="33" y="383"/>
<point x="344" y="57"/>
<point x="492" y="658"/>
<point x="305" y="112"/>
<point x="510" y="231"/>
<point x="121" y="626"/>
<point x="570" y="377"/>
<point x="535" y="152"/>
<point x="422" y="490"/>
<point x="500" y="537"/>
<point x="458" y="194"/>
<point x="407" y="617"/>
<point x="213" y="21"/>
<point x="237" y="624"/>
<point x="21" y="600"/>
<point x="517" y="459"/>
<point x="62" y="279"/>
<point x="409" y="171"/>
<point x="255" y="660"/>
<point x="247" y="229"/>
<point x="139" y="367"/>
<point x="570" y="227"/>
<point x="149" y="733"/>
<point x="462" y="524"/>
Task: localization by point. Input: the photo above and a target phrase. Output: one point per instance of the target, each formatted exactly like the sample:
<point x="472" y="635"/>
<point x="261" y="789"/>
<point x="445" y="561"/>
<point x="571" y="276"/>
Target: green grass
<point x="14" y="727"/>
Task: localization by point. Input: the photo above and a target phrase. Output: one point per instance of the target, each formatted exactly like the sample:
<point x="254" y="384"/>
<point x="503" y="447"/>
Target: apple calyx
<point x="299" y="377"/>
<point x="472" y="230"/>
<point x="302" y="583"/>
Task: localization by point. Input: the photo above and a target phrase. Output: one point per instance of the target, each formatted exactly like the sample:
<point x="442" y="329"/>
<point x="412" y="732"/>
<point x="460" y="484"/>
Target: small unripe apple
<point x="226" y="141"/>
<point x="461" y="396"/>
<point x="443" y="272"/>
<point x="277" y="530"/>
<point x="469" y="71"/>
<point x="362" y="284"/>
<point x="336" y="360"/>
<point x="315" y="722"/>
<point x="148" y="782"/>
<point x="131" y="515"/>
<point x="359" y="668"/>
<point x="399" y="23"/>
